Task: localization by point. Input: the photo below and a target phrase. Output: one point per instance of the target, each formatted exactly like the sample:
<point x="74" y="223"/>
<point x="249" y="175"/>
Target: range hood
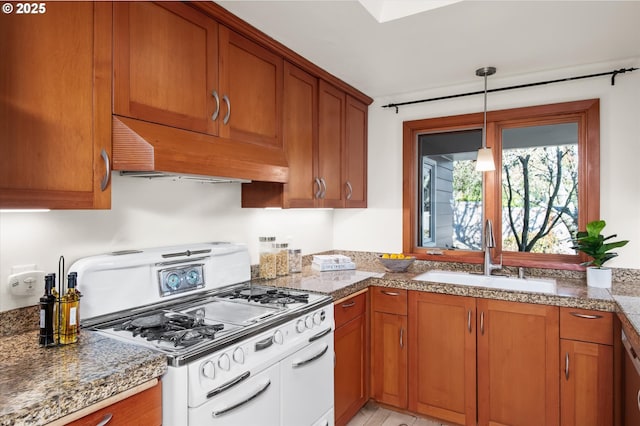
<point x="144" y="149"/>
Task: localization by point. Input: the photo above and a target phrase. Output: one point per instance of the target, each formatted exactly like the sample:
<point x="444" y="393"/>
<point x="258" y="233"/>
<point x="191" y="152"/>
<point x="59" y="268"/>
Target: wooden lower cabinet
<point x="631" y="390"/>
<point x="518" y="346"/>
<point x="442" y="356"/>
<point x="143" y="408"/>
<point x="352" y="357"/>
<point x="389" y="359"/>
<point x="586" y="368"/>
<point x="586" y="383"/>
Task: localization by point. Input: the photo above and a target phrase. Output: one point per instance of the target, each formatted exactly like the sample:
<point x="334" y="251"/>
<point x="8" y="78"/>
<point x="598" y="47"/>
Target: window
<point x="545" y="187"/>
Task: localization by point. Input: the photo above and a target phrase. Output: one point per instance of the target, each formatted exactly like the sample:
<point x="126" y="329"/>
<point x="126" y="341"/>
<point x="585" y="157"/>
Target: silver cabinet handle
<point x="324" y="188"/>
<point x="106" y="419"/>
<point x="313" y="358"/>
<point x="214" y="116"/>
<point x="566" y="365"/>
<point x="348" y="305"/>
<point x="349" y="190"/>
<point x="390" y="293"/>
<point x="226" y="100"/>
<point x="482" y="323"/>
<point x="241" y="403"/>
<point x="318" y="193"/>
<point x="401" y="337"/>
<point x="107" y="172"/>
<point x="469" y="320"/>
<point x="638" y="399"/>
<point x="585" y="316"/>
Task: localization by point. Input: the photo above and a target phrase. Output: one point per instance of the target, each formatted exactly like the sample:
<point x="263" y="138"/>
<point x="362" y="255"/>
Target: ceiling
<point x="444" y="46"/>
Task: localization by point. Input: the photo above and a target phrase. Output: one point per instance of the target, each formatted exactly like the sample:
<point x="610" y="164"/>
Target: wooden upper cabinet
<point x="442" y="357"/>
<point x="166" y="65"/>
<point x="251" y="87"/>
<point x="331" y="137"/>
<point x="300" y="130"/>
<point x="55" y="115"/>
<point x="355" y="154"/>
<point x="518" y="346"/>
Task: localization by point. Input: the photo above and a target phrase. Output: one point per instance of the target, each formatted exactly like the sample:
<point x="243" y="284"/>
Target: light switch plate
<point x="26" y="283"/>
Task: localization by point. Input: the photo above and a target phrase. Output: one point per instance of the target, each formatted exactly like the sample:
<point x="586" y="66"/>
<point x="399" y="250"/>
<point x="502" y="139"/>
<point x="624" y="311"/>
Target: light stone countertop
<point x="39" y="385"/>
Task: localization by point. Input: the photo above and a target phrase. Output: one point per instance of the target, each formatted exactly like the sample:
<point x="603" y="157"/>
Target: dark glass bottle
<point x="47" y="311"/>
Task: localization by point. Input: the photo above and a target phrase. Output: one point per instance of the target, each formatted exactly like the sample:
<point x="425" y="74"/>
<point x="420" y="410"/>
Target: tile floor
<point x="373" y="415"/>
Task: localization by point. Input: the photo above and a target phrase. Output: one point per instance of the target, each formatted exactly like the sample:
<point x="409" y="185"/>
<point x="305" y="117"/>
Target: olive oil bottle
<point x="70" y="312"/>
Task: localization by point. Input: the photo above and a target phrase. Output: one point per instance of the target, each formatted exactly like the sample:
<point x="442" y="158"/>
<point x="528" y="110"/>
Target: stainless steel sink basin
<point x="538" y="285"/>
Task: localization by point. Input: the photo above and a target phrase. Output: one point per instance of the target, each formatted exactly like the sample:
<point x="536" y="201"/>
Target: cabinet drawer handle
<point x="566" y="365"/>
<point x="107" y="172"/>
<point x="323" y="191"/>
<point x="638" y="398"/>
<point x="390" y="293"/>
<point x="226" y="100"/>
<point x="482" y="323"/>
<point x="469" y="320"/>
<point x="348" y="305"/>
<point x="318" y="193"/>
<point x="401" y="337"/>
<point x="214" y="116"/>
<point x="585" y="316"/>
<point x="349" y="190"/>
<point x="106" y="419"/>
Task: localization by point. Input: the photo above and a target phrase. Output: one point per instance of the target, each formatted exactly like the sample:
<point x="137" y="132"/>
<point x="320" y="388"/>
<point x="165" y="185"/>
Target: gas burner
<point x="181" y="329"/>
<point x="268" y="296"/>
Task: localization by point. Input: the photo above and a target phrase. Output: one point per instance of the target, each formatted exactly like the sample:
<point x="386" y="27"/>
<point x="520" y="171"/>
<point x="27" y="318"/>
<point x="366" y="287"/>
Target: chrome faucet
<point x="489" y="242"/>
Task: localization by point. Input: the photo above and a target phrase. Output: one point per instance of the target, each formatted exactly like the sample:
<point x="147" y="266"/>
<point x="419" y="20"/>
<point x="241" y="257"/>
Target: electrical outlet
<point x="26" y="283"/>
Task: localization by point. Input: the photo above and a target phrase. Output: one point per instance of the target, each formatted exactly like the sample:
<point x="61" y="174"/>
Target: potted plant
<point x="592" y="243"/>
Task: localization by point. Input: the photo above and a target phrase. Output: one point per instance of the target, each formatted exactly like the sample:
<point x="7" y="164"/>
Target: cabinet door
<point x="144" y="408"/>
<point x="631" y="391"/>
<point x="350" y="369"/>
<point x="355" y="158"/>
<point x="55" y="112"/>
<point x="586" y="384"/>
<point x="331" y="136"/>
<point x="389" y="359"/>
<point x="442" y="356"/>
<point x="251" y="87"/>
<point x="300" y="136"/>
<point x="165" y="65"/>
<point x="518" y="346"/>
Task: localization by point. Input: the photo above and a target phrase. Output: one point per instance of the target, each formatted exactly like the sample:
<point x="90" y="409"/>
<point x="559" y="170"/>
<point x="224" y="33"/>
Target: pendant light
<point x="484" y="161"/>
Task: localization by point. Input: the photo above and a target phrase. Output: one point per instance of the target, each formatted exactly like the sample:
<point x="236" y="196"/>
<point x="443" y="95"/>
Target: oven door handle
<point x="242" y="402"/>
<point x="229" y="384"/>
<point x="313" y="358"/>
<point x="320" y="335"/>
<point x="264" y="344"/>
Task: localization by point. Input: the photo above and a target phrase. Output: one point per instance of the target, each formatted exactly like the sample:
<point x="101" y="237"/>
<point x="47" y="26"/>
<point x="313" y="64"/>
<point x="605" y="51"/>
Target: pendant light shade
<point x="484" y="161"/>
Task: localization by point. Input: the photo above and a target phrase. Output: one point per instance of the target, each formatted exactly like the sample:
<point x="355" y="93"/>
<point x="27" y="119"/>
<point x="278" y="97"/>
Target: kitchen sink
<point x="538" y="285"/>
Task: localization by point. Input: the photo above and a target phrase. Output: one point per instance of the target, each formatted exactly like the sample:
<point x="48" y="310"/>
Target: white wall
<point x="149" y="213"/>
<point x="379" y="228"/>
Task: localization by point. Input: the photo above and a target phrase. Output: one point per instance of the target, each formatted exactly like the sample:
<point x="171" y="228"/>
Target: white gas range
<point x="238" y="354"/>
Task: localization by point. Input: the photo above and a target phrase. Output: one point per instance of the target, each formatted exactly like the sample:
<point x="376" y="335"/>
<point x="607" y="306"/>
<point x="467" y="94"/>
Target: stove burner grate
<point x="182" y="330"/>
<point x="269" y="296"/>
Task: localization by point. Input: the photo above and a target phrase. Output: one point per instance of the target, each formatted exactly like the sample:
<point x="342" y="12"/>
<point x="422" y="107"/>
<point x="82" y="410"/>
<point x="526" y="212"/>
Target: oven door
<point x="307" y="383"/>
<point x="256" y="399"/>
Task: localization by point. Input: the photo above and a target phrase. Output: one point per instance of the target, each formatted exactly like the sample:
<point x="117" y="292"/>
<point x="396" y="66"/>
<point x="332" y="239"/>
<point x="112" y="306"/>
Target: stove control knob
<point x="308" y="322"/>
<point x="317" y="319"/>
<point x="278" y="337"/>
<point x="224" y="362"/>
<point x="300" y="326"/>
<point x="209" y="370"/>
<point x="238" y="355"/>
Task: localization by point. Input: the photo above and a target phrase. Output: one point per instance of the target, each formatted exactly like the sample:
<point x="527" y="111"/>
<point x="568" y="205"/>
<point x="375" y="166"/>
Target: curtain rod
<point x="613" y="74"/>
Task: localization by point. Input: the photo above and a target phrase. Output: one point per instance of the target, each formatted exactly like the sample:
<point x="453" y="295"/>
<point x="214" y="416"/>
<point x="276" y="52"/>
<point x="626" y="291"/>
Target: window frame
<point x="585" y="112"/>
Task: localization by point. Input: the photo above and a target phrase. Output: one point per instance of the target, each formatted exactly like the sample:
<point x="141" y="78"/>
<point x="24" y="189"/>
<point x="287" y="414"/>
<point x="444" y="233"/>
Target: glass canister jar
<point x="295" y="261"/>
<point x="267" y="258"/>
<point x="282" y="258"/>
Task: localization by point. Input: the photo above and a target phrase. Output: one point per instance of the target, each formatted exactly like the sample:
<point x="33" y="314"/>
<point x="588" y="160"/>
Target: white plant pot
<point x="599" y="277"/>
